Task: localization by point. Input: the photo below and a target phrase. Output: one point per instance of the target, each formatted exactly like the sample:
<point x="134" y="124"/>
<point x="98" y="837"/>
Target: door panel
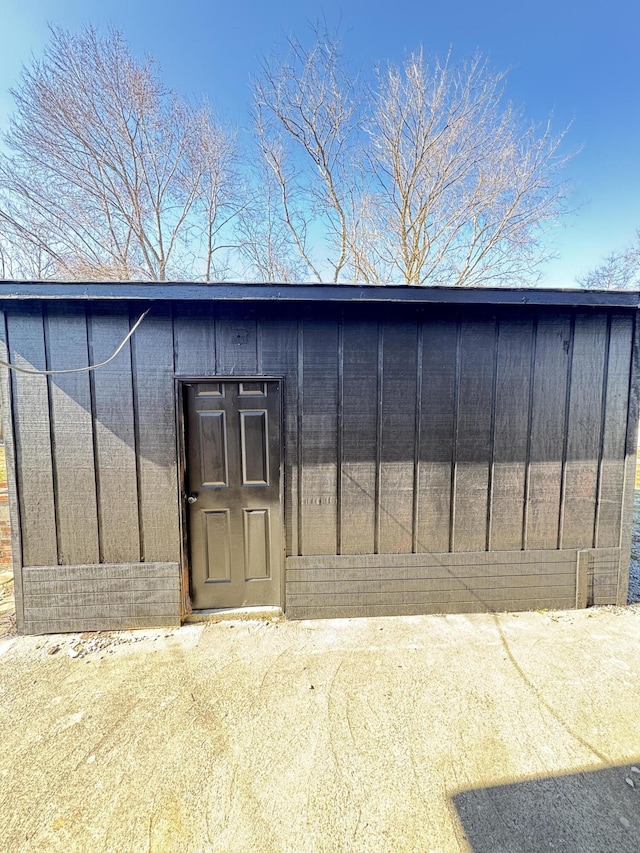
<point x="255" y="454"/>
<point x="256" y="544"/>
<point x="217" y="538"/>
<point x="213" y="448"/>
<point x="233" y="472"/>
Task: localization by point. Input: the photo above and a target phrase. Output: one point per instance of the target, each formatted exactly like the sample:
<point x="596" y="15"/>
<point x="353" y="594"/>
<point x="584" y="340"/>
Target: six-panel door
<point x="233" y="493"/>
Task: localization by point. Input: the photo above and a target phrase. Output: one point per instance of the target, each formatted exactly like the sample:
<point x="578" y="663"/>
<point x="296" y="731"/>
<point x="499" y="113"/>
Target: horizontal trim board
<point x="441" y="584"/>
<point x="70" y="611"/>
<point x="65" y="626"/>
<point x="368" y="585"/>
<point x="418" y="574"/>
<point x="448" y="560"/>
<point x="108" y="596"/>
<point x="111" y="585"/>
<point x="97" y="597"/>
<point x="506" y="597"/>
<point x="237" y="292"/>
<point x="99" y="571"/>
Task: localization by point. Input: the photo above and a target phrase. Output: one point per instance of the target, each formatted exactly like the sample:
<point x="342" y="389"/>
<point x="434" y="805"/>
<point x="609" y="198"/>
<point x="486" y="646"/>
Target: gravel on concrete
<point x="511" y="732"/>
<point x="634" y="568"/>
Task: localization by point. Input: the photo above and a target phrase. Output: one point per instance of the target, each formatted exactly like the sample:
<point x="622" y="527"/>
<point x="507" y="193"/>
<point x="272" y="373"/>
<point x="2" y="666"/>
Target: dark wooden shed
<point x="331" y="450"/>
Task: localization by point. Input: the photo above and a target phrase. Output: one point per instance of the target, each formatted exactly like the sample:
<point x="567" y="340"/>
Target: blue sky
<point x="579" y="61"/>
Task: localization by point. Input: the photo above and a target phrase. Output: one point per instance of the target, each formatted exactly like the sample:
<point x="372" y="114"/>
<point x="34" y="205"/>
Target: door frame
<point x="180" y="383"/>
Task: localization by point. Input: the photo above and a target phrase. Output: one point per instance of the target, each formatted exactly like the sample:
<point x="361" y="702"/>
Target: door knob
<point x="192" y="498"/>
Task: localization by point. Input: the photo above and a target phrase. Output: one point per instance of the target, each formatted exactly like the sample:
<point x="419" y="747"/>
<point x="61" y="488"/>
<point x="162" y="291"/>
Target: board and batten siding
<point x="435" y="459"/>
<point x="458" y="437"/>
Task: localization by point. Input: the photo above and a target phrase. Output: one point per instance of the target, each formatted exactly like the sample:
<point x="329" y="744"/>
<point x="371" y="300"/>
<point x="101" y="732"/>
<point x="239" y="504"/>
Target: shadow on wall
<point x="490" y="360"/>
<point x="634" y="567"/>
<point x="7" y="604"/>
<point x="588" y="812"/>
<point x="451" y="431"/>
<point x="5" y="529"/>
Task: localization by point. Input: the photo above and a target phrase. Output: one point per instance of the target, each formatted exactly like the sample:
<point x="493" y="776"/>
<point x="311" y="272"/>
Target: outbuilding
<point x="328" y="450"/>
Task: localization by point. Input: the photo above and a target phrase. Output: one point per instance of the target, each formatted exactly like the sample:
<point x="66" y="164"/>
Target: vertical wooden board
<point x="115" y="439"/>
<point x="152" y="354"/>
<point x="553" y="345"/>
<point x="278" y="356"/>
<point x="511" y="430"/>
<point x="399" y="385"/>
<point x="474" y="434"/>
<point x="72" y="431"/>
<point x="35" y="476"/>
<point x="615" y="426"/>
<point x="194" y="355"/>
<point x="319" y="437"/>
<point x="236" y="341"/>
<point x="630" y="468"/>
<point x="584" y="428"/>
<point x="582" y="578"/>
<point x="437" y="419"/>
<point x="10" y="461"/>
<point x="359" y="437"/>
<point x="194" y="340"/>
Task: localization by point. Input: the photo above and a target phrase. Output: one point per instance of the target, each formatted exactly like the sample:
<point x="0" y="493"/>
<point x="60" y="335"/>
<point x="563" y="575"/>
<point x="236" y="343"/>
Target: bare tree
<point x="424" y="176"/>
<point x="264" y="240"/>
<point x="21" y="258"/>
<point x="618" y="271"/>
<point x="462" y="187"/>
<point x="427" y="176"/>
<point x="306" y="116"/>
<point x="110" y="175"/>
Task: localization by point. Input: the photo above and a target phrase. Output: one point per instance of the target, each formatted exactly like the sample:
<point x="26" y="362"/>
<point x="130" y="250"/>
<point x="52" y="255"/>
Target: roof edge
<point x="338" y="293"/>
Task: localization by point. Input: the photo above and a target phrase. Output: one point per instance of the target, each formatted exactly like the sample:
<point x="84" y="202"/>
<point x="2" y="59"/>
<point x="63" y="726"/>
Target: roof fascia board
<point x="328" y="293"/>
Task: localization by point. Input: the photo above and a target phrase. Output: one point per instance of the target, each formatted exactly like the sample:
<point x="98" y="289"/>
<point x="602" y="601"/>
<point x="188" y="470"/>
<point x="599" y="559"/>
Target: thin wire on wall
<point x="35" y="372"/>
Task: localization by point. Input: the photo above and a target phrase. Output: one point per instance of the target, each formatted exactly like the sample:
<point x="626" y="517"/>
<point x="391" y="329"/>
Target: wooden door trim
<point x="185" y="596"/>
<point x="180" y="381"/>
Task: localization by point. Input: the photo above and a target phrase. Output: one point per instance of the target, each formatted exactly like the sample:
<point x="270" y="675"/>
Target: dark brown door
<point x="233" y="493"/>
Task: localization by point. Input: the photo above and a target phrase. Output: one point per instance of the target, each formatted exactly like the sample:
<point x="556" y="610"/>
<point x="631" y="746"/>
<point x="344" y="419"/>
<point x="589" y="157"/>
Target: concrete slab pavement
<point x="457" y="733"/>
